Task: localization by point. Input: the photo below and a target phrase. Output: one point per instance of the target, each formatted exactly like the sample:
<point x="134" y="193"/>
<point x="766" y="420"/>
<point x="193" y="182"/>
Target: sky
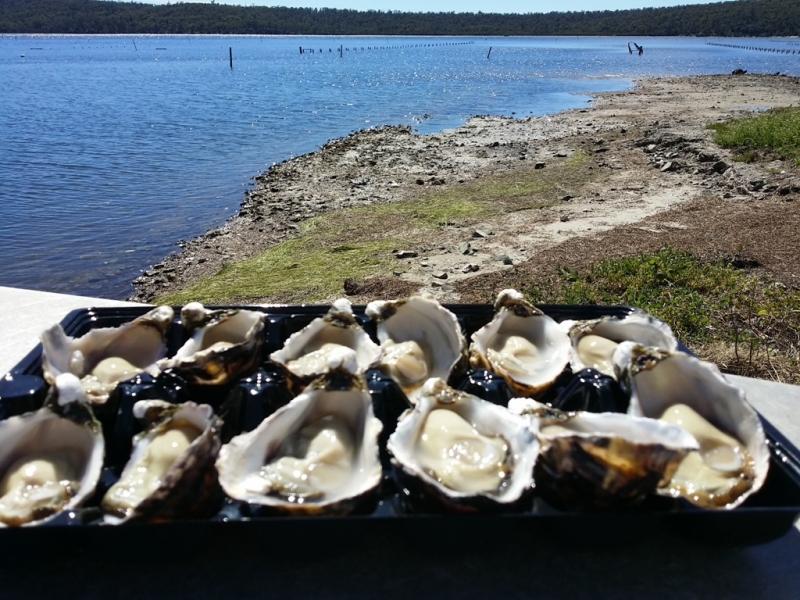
<point x="494" y="6"/>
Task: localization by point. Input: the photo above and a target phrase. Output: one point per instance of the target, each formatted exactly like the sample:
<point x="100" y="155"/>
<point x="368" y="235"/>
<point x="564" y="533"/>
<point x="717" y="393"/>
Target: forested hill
<point x="738" y="18"/>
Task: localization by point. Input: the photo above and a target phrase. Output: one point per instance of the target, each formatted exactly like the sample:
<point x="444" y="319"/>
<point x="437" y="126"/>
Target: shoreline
<point x="649" y="142"/>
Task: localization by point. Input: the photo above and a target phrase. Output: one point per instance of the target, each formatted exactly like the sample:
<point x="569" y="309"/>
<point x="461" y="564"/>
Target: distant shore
<point x="652" y="141"/>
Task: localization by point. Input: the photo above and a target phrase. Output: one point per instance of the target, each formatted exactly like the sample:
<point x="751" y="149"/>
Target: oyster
<point x="304" y="355"/>
<point x="462" y="452"/>
<point x="170" y="474"/>
<point x="105" y="356"/>
<point x="521" y="344"/>
<point x="733" y="459"/>
<point x="594" y="341"/>
<point x="419" y="339"/>
<point x="51" y="459"/>
<point x="316" y="455"/>
<point x="224" y="344"/>
<point x="603" y="460"/>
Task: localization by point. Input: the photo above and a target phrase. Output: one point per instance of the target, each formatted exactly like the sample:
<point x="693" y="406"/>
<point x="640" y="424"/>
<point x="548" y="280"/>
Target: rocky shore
<point x="651" y="142"/>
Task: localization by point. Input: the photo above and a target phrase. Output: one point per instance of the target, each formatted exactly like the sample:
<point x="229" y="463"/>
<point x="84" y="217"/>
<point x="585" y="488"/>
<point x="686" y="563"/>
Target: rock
<point x="481" y="233"/>
<point x="704" y="157"/>
<point x="560" y="154"/>
<point x="756" y="184"/>
<point x="668" y="166"/>
<point x="469" y="268"/>
<point x="465" y="248"/>
<point x="566" y="198"/>
<point x="738" y="72"/>
<point x="424" y="263"/>
<point x="440" y="275"/>
<point x="539" y="165"/>
<point x="564" y="218"/>
<point x="405" y="254"/>
<point x="720" y="166"/>
<point x="494" y="144"/>
<point x="502" y="257"/>
<point x="420" y="182"/>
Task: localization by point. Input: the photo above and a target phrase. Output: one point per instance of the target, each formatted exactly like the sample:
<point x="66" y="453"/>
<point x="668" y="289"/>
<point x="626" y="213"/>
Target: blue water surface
<point x="112" y="148"/>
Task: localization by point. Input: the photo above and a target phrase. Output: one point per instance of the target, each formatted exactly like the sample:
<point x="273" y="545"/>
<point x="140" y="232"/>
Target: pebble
<point x="440" y="275"/>
<point x="406" y="254"/>
<point x="465" y="248"/>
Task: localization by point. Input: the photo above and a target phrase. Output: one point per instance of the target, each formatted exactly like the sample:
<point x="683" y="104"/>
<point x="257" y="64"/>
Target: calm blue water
<point x="112" y="148"/>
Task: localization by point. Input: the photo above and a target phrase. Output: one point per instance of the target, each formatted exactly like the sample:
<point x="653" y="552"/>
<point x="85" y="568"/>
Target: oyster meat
<point x="316" y="455"/>
<point x="171" y="470"/>
<point x="224" y="344"/>
<point x="462" y="452"/>
<point x="733" y="457"/>
<point x="51" y="459"/>
<point x="105" y="356"/>
<point x="419" y="339"/>
<point x="521" y="344"/>
<point x="305" y="354"/>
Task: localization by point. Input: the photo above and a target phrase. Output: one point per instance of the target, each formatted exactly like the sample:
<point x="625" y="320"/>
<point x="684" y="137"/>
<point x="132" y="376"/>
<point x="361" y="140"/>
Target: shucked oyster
<point x="462" y="452"/>
<point x="602" y="460"/>
<point x="521" y="344"/>
<point x="105" y="356"/>
<point x="316" y="455"/>
<point x="733" y="459"/>
<point x="419" y="339"/>
<point x="305" y="353"/>
<point x="51" y="459"/>
<point x="170" y="474"/>
<point x="224" y="345"/>
<point x="594" y="341"/>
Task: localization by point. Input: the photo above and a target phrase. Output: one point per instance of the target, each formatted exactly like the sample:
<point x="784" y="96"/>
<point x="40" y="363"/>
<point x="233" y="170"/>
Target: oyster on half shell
<point x="170" y="474"/>
<point x="305" y="353"/>
<point x="521" y="344"/>
<point x="419" y="339"/>
<point x="316" y="455"/>
<point x="594" y="341"/>
<point x="50" y="459"/>
<point x="463" y="453"/>
<point x="107" y="355"/>
<point x="733" y="460"/>
<point x="224" y="344"/>
<point x="602" y="460"/>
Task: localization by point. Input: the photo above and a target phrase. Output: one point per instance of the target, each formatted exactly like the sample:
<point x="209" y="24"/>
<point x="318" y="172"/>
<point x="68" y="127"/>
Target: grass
<point x="358" y="242"/>
<point x="775" y="131"/>
<point x="746" y="326"/>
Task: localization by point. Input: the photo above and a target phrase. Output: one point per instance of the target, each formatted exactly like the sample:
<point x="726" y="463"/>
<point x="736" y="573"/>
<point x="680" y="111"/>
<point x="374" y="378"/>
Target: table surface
<point x="662" y="566"/>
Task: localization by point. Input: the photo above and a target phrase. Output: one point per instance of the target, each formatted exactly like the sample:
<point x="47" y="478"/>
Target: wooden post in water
<point x="490" y="52"/>
<point x="134" y="45"/>
<point x="230" y="55"/>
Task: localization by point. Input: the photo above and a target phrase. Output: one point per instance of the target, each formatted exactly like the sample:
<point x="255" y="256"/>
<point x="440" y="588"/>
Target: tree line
<point x="739" y="18"/>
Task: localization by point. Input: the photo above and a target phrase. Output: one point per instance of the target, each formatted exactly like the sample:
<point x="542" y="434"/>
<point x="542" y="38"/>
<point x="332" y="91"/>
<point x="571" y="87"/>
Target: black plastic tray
<point x="765" y="516"/>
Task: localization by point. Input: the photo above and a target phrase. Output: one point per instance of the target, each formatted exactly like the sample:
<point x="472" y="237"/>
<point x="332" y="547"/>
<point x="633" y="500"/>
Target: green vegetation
<point x="776" y="130"/>
<point x="721" y="313"/>
<point x="358" y="242"/>
<point x="738" y="18"/>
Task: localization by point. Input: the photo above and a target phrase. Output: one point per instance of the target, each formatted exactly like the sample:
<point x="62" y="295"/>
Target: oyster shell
<point x="733" y="459"/>
<point x="105" y="356"/>
<point x="224" y="344"/>
<point x="521" y="344"/>
<point x="50" y="459"/>
<point x="170" y="474"/>
<point x="594" y="341"/>
<point x="304" y="355"/>
<point x="419" y="339"/>
<point x="316" y="455"/>
<point x="463" y="453"/>
<point x="602" y="460"/>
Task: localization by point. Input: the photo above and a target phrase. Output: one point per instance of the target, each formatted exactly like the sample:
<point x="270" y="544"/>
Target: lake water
<point x="112" y="148"/>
